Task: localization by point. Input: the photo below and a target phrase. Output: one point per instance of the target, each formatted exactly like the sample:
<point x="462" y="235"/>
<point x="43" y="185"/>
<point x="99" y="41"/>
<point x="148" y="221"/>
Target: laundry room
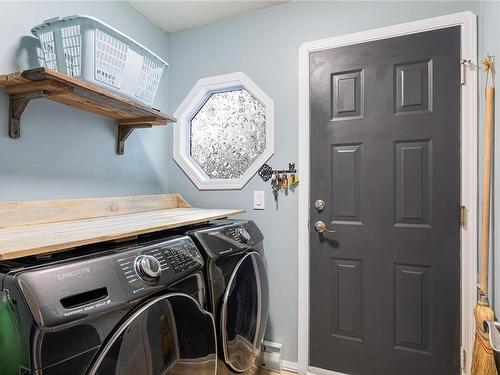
<point x="249" y="187"/>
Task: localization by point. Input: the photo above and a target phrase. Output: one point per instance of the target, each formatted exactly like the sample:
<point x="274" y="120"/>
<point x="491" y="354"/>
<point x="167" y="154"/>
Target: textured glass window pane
<point x="228" y="133"/>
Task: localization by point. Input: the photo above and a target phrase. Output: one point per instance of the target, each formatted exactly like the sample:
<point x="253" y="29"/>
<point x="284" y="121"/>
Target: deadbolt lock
<point x="320" y="204"/>
<point x="320" y="227"/>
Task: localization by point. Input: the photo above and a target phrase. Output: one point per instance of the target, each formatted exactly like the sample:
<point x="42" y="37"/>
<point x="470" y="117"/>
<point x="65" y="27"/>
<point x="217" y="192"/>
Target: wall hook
<point x="266" y="172"/>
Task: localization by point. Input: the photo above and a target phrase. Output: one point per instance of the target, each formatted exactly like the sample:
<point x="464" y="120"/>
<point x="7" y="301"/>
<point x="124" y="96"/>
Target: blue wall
<point x="65" y="152"/>
<point x="264" y="45"/>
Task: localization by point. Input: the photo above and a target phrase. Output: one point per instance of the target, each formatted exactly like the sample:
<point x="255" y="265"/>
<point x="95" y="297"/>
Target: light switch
<point x="259" y="200"/>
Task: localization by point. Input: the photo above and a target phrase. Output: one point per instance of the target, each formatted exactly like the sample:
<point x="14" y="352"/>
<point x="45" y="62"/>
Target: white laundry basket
<point x="84" y="47"/>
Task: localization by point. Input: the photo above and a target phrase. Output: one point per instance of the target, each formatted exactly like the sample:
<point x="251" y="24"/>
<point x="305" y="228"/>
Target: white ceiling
<point x="177" y="15"/>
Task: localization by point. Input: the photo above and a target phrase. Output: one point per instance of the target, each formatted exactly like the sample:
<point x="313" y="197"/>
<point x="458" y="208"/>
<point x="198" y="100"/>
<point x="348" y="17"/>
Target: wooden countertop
<point x="41" y="227"/>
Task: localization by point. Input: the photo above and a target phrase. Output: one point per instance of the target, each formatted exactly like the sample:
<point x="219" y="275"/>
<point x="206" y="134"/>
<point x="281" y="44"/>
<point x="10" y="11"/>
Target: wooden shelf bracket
<point x="17" y="105"/>
<point x="124" y="132"/>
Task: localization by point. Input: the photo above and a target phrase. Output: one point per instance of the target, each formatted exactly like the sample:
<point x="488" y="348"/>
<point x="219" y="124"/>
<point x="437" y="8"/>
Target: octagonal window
<point x="224" y="132"/>
<point x="228" y="134"/>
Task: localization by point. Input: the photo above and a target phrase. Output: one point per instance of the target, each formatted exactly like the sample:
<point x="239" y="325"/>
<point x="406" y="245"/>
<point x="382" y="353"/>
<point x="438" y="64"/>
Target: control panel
<point x="234" y="237"/>
<point x="182" y="257"/>
<point x="76" y="288"/>
<point x="157" y="264"/>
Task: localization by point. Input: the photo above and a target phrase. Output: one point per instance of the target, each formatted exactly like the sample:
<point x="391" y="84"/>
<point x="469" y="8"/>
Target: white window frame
<point x="192" y="103"/>
<point x="469" y="172"/>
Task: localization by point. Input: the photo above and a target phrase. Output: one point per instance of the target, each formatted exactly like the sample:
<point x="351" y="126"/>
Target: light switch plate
<point x="259" y="200"/>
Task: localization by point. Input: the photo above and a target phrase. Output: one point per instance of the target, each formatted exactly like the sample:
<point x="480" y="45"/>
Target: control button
<point x="148" y="267"/>
<point x="181" y="259"/>
<point x="243" y="235"/>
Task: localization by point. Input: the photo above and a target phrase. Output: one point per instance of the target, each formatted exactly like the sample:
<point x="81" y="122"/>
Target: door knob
<point x="320" y="204"/>
<point x="321" y="227"/>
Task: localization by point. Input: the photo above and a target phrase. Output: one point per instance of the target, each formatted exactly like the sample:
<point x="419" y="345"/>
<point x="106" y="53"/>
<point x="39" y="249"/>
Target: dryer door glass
<point x="168" y="335"/>
<point x="245" y="312"/>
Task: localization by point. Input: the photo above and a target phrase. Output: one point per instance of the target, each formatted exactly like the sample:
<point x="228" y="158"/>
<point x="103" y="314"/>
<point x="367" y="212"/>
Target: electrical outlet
<point x="259" y="200"/>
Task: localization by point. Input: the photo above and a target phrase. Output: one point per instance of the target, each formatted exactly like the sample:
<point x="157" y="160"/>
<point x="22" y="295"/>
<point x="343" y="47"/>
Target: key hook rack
<point x="266" y="172"/>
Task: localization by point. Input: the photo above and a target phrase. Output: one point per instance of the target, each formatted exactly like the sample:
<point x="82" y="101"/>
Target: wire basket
<point x="86" y="48"/>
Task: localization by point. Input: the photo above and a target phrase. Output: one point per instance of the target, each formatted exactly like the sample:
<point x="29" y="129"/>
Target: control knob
<point x="243" y="235"/>
<point x="148" y="267"/>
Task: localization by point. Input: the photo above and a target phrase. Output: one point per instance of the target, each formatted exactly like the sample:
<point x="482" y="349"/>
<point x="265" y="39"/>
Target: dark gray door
<point x="385" y="128"/>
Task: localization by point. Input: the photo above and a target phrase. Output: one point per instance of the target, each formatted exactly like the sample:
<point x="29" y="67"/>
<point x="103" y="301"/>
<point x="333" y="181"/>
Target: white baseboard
<point x="289" y="366"/>
<point x="320" y="371"/>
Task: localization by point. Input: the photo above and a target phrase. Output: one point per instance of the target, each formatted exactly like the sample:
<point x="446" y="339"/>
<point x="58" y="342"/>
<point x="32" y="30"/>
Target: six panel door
<point x="385" y="128"/>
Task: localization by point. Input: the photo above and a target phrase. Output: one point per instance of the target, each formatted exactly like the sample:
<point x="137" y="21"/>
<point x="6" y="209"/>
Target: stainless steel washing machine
<point x="238" y="288"/>
<point x="132" y="309"/>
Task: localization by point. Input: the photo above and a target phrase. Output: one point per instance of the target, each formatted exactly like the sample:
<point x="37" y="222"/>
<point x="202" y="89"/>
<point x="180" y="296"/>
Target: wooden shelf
<point x="40" y="227"/>
<point x="22" y="87"/>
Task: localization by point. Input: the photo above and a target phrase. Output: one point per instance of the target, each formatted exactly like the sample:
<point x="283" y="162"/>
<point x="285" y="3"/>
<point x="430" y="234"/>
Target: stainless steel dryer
<point x="238" y="288"/>
<point x="129" y="310"/>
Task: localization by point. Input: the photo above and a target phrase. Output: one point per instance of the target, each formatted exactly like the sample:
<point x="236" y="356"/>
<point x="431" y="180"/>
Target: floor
<point x="253" y="371"/>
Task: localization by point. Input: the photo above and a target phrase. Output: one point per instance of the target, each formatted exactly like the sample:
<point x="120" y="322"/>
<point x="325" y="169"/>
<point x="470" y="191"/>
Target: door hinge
<point x="462" y="357"/>
<point x="464" y="63"/>
<point x="463" y="217"/>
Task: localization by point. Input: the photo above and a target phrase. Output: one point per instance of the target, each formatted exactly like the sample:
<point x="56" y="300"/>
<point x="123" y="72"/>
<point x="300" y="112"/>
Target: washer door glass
<point x="168" y="335"/>
<point x="245" y="312"/>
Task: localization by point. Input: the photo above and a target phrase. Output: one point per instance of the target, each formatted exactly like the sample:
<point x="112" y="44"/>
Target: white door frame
<point x="469" y="168"/>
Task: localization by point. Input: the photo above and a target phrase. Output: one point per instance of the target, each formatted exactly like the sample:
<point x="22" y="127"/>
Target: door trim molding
<point x="468" y="165"/>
